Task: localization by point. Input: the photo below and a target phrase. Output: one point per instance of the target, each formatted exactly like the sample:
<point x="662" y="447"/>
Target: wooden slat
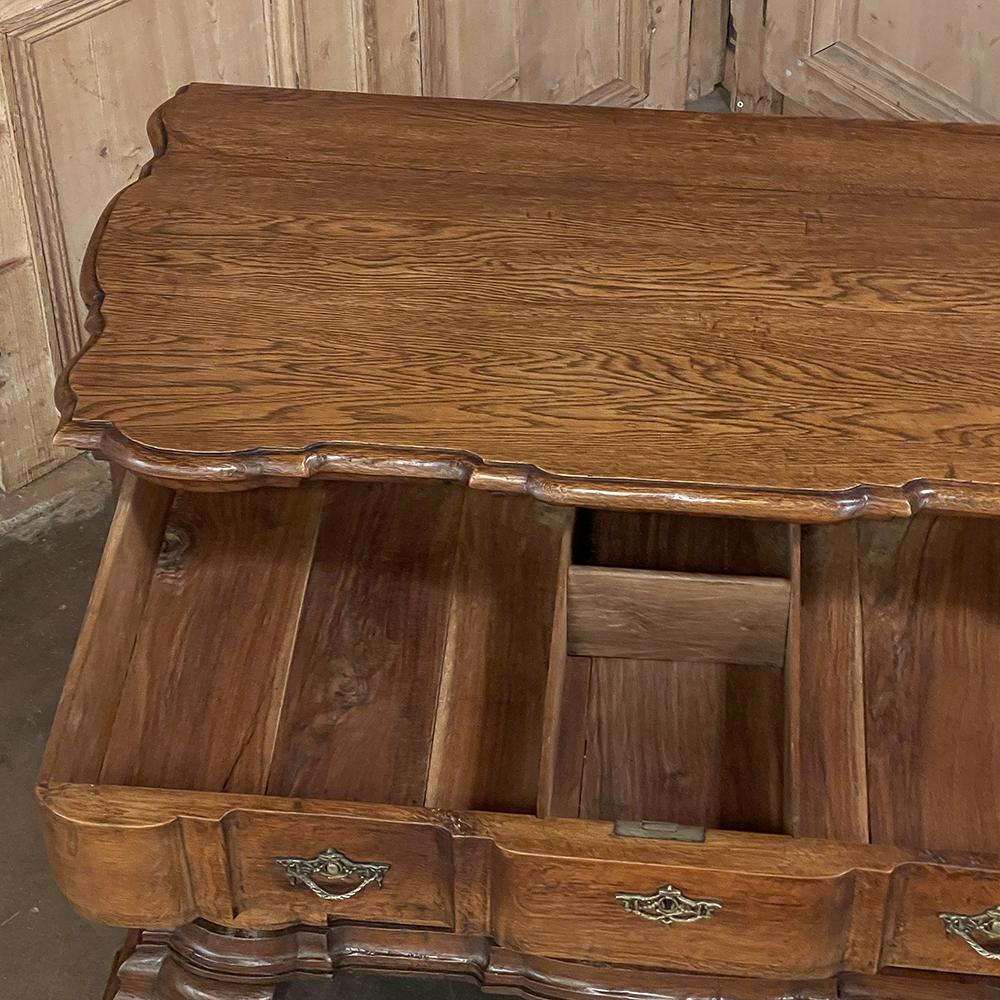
<point x="362" y="691"/>
<point x="488" y="732"/>
<point x="208" y="670"/>
<point x="643" y="614"/>
<point x="696" y="743"/>
<point x="561" y="683"/>
<point x="707" y="49"/>
<point x="685" y="544"/>
<point x="829" y="785"/>
<point x="930" y="606"/>
<point x="97" y="673"/>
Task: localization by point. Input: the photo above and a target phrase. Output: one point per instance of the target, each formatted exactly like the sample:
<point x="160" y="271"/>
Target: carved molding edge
<point x="275" y="466"/>
<point x="199" y="961"/>
<point x="254" y="964"/>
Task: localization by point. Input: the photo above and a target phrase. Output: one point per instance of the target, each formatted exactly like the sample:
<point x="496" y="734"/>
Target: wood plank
<point x="644" y="540"/>
<point x="643" y="614"/>
<point x="207" y="673"/>
<point x="829" y="786"/>
<point x="561" y="727"/>
<point x="930" y="607"/>
<point x="751" y="92"/>
<point x="114" y="617"/>
<point x="707" y="49"/>
<point x="488" y="732"/>
<point x="695" y="743"/>
<point x="564" y="749"/>
<point x="368" y="652"/>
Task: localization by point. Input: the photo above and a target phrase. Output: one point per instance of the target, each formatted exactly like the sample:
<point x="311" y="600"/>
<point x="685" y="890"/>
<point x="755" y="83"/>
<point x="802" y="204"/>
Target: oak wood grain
<point x="830" y="785"/>
<point x="200" y="702"/>
<point x="643" y="614"/>
<point x="599" y="309"/>
<point x="361" y="695"/>
<point x="930" y="602"/>
<point x="488" y="730"/>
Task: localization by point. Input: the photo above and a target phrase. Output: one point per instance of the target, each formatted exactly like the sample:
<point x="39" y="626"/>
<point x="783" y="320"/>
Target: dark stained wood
<point x="645" y="614"/>
<point x="200" y="702"/>
<point x="930" y="603"/>
<point x="361" y="696"/>
<point x="674" y="542"/>
<point x="830" y="786"/>
<point x="562" y="730"/>
<point x="488" y="731"/>
<point x="595" y="306"/>
<point x="694" y="743"/>
<point x="250" y="968"/>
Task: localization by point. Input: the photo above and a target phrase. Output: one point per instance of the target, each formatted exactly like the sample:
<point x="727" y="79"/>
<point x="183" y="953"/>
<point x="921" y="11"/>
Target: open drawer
<point x="424" y="706"/>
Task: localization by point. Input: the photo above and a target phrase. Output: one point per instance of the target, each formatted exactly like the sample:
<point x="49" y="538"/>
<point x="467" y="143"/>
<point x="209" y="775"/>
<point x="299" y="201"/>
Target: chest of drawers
<point x="556" y="546"/>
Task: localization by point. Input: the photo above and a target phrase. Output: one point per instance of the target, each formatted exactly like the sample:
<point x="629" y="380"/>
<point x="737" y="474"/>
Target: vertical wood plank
<point x="97" y="673"/>
<point x="653" y="736"/>
<point x="829" y="787"/>
<point x="684" y="544"/>
<point x="560" y="680"/>
<point x="488" y="732"/>
<point x="215" y="642"/>
<point x="751" y="93"/>
<point x="368" y="653"/>
<point x="930" y="599"/>
<point x="707" y="49"/>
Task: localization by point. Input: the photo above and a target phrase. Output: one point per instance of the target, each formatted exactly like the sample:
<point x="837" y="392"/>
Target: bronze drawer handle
<point x="668" y="905"/>
<point x="336" y="867"/>
<point x="985" y="924"/>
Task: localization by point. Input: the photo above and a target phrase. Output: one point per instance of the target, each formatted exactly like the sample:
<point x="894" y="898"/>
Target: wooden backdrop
<point x="79" y="78"/>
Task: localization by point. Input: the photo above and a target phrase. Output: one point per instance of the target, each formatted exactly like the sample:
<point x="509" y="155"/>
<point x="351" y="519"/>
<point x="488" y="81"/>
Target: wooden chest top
<point x="772" y="317"/>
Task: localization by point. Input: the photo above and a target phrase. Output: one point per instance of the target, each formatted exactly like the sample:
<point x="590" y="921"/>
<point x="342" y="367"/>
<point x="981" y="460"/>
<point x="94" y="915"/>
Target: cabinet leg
<point x="197" y="963"/>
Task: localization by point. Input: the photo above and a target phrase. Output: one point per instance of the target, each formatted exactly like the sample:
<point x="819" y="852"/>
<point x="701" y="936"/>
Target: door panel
<point x="886" y="58"/>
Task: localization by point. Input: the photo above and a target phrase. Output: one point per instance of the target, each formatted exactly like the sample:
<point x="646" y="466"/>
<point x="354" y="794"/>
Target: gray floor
<point x="48" y="556"/>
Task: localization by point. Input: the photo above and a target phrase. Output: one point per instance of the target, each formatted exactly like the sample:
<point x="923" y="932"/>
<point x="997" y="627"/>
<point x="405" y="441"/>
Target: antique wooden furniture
<point x="513" y="493"/>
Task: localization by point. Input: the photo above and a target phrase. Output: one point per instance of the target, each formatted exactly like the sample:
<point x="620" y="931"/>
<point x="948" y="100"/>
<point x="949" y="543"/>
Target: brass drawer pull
<point x="668" y="906"/>
<point x="985" y="924"/>
<point x="336" y="867"/>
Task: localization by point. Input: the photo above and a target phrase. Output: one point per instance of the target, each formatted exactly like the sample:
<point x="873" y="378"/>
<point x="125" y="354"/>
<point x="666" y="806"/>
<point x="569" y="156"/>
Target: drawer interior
<point x="426" y="644"/>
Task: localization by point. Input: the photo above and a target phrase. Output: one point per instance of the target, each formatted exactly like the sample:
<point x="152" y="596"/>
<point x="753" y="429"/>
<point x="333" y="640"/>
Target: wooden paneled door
<point x="919" y="59"/>
<point x="80" y="77"/>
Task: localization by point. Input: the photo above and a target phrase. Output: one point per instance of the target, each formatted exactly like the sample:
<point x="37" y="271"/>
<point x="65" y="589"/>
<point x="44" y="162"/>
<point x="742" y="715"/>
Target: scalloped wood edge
<point x="283" y="467"/>
<point x="165" y="964"/>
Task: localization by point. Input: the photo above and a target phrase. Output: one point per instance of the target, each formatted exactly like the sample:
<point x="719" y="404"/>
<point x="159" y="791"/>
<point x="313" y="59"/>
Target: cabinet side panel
<point x="207" y="674"/>
<point x="97" y="673"/>
<point x="931" y="609"/>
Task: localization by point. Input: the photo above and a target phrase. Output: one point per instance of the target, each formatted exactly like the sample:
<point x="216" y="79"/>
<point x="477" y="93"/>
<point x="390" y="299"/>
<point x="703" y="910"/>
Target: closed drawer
<point x="721" y="922"/>
<point x="940" y="919"/>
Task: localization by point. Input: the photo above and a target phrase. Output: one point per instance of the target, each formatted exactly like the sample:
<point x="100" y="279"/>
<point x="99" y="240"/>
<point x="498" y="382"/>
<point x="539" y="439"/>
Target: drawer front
<point x="292" y="868"/>
<point x="674" y="918"/>
<point x="940" y="918"/>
